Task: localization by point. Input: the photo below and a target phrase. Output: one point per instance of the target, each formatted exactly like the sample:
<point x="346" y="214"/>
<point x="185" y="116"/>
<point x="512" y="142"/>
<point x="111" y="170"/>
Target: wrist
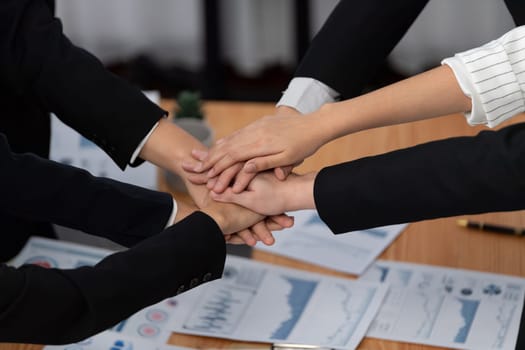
<point x="301" y="192"/>
<point x="168" y="145"/>
<point x="286" y="110"/>
<point x="183" y="210"/>
<point x="213" y="211"/>
<point x="321" y="122"/>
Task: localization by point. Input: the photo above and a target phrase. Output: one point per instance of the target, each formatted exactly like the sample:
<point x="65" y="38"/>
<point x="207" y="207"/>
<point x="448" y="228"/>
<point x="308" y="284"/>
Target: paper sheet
<point x="114" y="341"/>
<point x="447" y="307"/>
<point x="266" y="303"/>
<point x="312" y="241"/>
<point x="149" y="323"/>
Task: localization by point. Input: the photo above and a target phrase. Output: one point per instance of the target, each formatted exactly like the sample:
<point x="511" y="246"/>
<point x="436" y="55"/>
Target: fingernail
<point x="200" y="154"/>
<point x="197" y="167"/>
<point x="218" y="186"/>
<point x="211" y="183"/>
<point x="211" y="173"/>
<point x="250" y="168"/>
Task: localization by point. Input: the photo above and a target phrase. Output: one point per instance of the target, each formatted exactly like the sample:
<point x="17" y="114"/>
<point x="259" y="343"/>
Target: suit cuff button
<point x="206" y="277"/>
<point x="180" y="289"/>
<point x="194" y="282"/>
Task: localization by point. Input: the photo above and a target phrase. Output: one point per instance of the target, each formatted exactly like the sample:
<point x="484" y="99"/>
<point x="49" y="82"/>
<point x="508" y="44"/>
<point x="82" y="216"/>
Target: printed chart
<point x="261" y="302"/>
<point x="447" y="307"/>
<point x="312" y="241"/>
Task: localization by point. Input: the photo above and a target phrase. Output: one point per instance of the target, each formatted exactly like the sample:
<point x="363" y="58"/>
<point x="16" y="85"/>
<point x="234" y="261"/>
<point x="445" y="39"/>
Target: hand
<point x="269" y="196"/>
<point x="279" y="142"/>
<point x="219" y="183"/>
<point x="261" y="231"/>
<point x="167" y="147"/>
<point x="233" y="220"/>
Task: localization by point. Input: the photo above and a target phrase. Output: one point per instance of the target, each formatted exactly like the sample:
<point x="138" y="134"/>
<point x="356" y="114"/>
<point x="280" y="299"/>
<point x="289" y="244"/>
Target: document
<point x="150" y="323"/>
<point x="260" y="302"/>
<point x="69" y="147"/>
<point x="447" y="307"/>
<point x="114" y="341"/>
<point x="310" y="240"/>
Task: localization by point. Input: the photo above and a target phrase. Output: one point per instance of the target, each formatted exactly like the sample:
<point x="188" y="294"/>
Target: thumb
<point x="256" y="165"/>
<point x="229" y="197"/>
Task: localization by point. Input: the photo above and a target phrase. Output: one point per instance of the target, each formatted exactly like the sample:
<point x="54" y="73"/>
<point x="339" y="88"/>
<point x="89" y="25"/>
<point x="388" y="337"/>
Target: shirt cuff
<point x="171" y="220"/>
<point x="492" y="76"/>
<point x="476" y="115"/>
<point x="307" y="95"/>
<point x="135" y="154"/>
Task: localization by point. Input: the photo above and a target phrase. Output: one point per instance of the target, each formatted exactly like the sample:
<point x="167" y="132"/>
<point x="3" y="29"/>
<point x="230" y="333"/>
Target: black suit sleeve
<point x="36" y="59"/>
<point x="355" y="40"/>
<point x="456" y="176"/>
<point x="42" y="190"/>
<point x="63" y="306"/>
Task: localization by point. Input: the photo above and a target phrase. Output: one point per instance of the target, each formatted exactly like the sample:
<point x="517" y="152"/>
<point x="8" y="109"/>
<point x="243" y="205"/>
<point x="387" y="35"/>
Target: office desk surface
<point x="436" y="242"/>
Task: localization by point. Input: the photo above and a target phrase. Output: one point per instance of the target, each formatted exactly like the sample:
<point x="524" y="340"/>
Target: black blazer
<point x="358" y="36"/>
<point x="41" y="71"/>
<point x="455" y="176"/>
<point x="62" y="306"/>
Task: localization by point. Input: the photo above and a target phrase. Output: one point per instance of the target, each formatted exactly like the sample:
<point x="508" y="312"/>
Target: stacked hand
<point x="167" y="146"/>
<point x="278" y="142"/>
<point x="249" y="169"/>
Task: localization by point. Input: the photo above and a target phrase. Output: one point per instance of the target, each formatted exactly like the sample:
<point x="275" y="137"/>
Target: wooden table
<point x="436" y="242"/>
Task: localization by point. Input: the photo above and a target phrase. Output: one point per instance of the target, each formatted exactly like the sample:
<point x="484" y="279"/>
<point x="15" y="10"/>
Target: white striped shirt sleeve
<point x="493" y="76"/>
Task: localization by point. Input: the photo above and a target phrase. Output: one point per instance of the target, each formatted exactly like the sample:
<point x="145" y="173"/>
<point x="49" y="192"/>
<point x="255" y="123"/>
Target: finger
<point x="210" y="157"/>
<point x="242" y="181"/>
<point x="199" y="154"/>
<point x="198" y="179"/>
<point x="211" y="182"/>
<point x="222" y="164"/>
<point x="248" y="237"/>
<point x="256" y="165"/>
<point x="263" y="233"/>
<point x="231" y="151"/>
<point x="226" y="177"/>
<point x="273" y="226"/>
<point x="191" y="166"/>
<point x="235" y="239"/>
<point x="283" y="220"/>
<point x="243" y="199"/>
<point x="282" y="172"/>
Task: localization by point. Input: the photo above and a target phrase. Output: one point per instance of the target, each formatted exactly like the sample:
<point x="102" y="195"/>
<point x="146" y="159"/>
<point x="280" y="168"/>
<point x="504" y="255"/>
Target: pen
<point x="516" y="231"/>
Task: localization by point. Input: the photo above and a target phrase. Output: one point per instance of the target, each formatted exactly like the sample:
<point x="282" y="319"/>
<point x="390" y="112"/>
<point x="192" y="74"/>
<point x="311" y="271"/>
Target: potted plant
<point x="188" y="115"/>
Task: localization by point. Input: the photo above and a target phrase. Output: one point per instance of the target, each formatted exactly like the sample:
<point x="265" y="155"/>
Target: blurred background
<point x="244" y="50"/>
<point x="248" y="49"/>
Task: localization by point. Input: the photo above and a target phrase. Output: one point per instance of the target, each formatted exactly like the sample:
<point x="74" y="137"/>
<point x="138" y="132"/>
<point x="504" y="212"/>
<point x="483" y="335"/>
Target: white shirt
<point x="307" y="95"/>
<point x="493" y="76"/>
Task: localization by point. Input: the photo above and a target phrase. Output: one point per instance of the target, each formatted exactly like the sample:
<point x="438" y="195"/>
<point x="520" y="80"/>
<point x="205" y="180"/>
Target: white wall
<point x="261" y="32"/>
<point x="169" y="30"/>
